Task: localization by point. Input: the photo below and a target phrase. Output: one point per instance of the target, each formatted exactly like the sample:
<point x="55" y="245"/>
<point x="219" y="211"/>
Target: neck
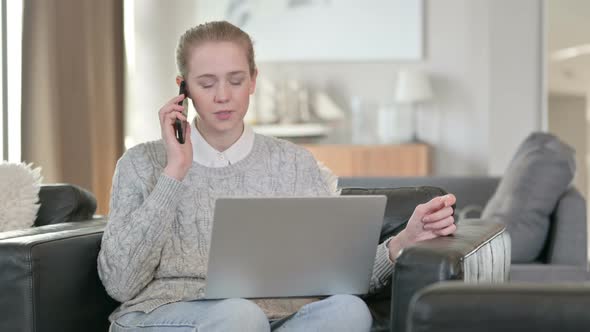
<point x="220" y="141"/>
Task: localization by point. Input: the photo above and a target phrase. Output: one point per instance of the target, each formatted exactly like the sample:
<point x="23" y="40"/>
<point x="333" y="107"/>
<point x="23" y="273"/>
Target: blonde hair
<point x="216" y="31"/>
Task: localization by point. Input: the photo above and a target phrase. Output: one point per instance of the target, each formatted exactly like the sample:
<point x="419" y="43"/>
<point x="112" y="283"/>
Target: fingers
<point x="433" y="205"/>
<point x="436" y="204"/>
<point x="433" y="218"/>
<point x="187" y="134"/>
<point x="171" y="105"/>
<point x="167" y="121"/>
<point x="172" y="116"/>
<point x="176" y="99"/>
<point x="172" y="108"/>
<point x="449" y="199"/>
<point x="446" y="231"/>
<point x="438" y="225"/>
<point x="438" y="215"/>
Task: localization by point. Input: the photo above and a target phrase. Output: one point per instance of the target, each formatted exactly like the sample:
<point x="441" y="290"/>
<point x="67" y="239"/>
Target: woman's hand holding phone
<point x="179" y="156"/>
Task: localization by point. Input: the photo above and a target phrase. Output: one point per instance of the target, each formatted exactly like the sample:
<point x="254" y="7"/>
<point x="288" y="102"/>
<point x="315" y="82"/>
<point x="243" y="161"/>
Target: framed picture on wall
<point x="325" y="30"/>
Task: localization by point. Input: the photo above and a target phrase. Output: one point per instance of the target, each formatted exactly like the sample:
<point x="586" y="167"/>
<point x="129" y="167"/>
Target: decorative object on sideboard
<point x="392" y="124"/>
<point x="263" y="103"/>
<point x="362" y="121"/>
<point x="292" y="108"/>
<point x="326" y="109"/>
<point x="412" y="90"/>
<point x="287" y="109"/>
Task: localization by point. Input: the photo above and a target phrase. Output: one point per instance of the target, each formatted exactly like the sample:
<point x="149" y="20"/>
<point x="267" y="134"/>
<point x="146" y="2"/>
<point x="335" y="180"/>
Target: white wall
<point x="483" y="56"/>
<point x="567" y="120"/>
<point x="456" y="58"/>
<point x="516" y="89"/>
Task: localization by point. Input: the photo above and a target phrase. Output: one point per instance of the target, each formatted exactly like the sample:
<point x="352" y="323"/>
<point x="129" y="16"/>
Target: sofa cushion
<point x="539" y="173"/>
<point x="19" y="195"/>
<point x="64" y="202"/>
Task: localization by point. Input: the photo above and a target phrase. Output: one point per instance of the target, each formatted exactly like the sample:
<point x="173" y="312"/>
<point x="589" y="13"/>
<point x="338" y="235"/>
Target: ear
<point x="253" y="81"/>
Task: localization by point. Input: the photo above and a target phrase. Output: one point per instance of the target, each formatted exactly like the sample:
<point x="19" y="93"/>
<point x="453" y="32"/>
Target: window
<point x="11" y="21"/>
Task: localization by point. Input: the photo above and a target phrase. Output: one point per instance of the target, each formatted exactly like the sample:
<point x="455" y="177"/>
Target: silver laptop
<point x="293" y="246"/>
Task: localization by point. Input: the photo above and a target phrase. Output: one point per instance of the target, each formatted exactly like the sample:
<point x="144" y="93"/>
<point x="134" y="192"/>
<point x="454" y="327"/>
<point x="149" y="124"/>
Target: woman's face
<point x="220" y="85"/>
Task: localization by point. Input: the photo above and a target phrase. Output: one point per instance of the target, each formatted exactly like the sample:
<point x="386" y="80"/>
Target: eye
<point x="236" y="78"/>
<point x="206" y="84"/>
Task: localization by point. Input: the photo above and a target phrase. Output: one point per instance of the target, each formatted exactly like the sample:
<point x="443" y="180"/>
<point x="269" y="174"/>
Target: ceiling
<point x="568" y="25"/>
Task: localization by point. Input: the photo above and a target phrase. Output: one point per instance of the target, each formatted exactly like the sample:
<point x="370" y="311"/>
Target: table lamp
<point x="413" y="87"/>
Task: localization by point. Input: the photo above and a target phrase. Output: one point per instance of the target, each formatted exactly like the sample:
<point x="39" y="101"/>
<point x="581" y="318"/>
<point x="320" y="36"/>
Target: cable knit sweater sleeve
<point x="138" y="226"/>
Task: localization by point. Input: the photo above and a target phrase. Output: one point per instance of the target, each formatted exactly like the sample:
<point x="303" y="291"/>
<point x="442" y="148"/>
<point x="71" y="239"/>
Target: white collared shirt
<point x="206" y="155"/>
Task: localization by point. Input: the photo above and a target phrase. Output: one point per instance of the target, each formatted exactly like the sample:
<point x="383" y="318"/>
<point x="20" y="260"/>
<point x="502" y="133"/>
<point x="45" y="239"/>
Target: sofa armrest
<point x="52" y="228"/>
<point x="478" y="252"/>
<point x="49" y="281"/>
<point x="457" y="307"/>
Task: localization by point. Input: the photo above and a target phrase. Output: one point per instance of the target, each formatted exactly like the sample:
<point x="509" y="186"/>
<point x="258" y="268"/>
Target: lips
<point x="223" y="115"/>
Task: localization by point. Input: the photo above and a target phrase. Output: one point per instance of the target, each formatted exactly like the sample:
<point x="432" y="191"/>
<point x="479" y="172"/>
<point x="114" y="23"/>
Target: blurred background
<point x="377" y="87"/>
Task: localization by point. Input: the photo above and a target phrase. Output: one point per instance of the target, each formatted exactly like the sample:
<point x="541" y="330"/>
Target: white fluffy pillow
<point x="19" y="195"/>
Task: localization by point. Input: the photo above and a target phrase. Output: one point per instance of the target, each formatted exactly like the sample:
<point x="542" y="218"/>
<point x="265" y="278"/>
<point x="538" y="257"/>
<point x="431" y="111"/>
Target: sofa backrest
<point x="568" y="233"/>
<point x="64" y="203"/>
<point x="470" y="191"/>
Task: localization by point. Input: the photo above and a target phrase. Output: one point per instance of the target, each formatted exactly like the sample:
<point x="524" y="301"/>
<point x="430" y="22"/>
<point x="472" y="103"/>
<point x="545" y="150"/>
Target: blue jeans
<point x="335" y="313"/>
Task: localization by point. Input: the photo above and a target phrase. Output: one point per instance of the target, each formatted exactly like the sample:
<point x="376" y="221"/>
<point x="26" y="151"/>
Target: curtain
<point x="72" y="91"/>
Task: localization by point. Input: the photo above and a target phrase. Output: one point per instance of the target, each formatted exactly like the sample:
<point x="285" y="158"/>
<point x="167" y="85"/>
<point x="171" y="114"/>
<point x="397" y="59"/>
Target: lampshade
<point x="412" y="86"/>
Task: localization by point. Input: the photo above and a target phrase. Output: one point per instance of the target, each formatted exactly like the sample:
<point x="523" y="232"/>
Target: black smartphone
<point x="180" y="126"/>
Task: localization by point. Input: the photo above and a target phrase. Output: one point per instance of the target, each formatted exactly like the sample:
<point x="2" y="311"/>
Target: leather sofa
<point x="564" y="256"/>
<point x="518" y="306"/>
<point x="49" y="280"/>
<point x="47" y="272"/>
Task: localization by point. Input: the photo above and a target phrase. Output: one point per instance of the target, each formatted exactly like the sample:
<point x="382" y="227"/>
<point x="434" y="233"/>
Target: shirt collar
<point x="206" y="155"/>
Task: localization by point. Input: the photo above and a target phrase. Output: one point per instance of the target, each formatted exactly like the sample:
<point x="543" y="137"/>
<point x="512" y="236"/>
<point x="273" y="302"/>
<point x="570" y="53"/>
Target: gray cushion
<point x="539" y="173"/>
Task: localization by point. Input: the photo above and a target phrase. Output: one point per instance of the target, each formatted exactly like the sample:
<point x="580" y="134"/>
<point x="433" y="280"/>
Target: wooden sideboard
<point x="412" y="159"/>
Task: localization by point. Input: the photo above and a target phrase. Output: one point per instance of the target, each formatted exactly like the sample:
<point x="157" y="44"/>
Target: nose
<point x="222" y="93"/>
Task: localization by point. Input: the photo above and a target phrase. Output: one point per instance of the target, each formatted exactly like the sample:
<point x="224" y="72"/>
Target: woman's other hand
<point x="429" y="220"/>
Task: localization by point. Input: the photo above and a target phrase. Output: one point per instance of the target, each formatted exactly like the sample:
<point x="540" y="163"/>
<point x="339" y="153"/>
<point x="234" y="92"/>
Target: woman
<point x="155" y="246"/>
